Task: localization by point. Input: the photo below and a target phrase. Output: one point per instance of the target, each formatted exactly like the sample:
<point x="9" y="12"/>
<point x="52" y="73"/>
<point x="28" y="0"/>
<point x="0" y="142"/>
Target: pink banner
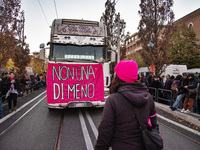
<point x="74" y="82"/>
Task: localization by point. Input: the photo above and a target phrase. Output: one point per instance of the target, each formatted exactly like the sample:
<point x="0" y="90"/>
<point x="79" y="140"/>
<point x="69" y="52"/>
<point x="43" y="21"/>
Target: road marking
<point x="14" y="112"/>
<point x="12" y="125"/>
<point x="94" y="129"/>
<point x="59" y="137"/>
<point x="180" y="125"/>
<point x="85" y="132"/>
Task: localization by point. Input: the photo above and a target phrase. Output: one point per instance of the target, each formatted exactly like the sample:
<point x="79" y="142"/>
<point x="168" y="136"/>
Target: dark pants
<point x="12" y="97"/>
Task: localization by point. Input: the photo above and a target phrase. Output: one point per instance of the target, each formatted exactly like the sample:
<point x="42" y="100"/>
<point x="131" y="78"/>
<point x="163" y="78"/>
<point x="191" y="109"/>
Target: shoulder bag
<point x="152" y="138"/>
<point x="192" y="91"/>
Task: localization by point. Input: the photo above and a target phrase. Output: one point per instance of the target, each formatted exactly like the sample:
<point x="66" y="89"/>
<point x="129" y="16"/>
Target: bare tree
<point x="154" y="30"/>
<point x="115" y="26"/>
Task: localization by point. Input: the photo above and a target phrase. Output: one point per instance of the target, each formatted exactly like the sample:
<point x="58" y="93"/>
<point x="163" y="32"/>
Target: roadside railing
<point x="165" y="96"/>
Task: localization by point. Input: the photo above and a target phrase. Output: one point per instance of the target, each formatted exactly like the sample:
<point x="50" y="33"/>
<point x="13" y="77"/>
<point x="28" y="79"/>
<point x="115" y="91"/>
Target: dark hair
<point x="156" y="76"/>
<point x="191" y="75"/>
<point x="178" y="77"/>
<point x="12" y="72"/>
<point x="138" y="77"/>
<point x="172" y="77"/>
<point x="115" y="84"/>
<point x="184" y="74"/>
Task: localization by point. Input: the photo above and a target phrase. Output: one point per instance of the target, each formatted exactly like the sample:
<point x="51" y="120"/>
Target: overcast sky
<point x="37" y="27"/>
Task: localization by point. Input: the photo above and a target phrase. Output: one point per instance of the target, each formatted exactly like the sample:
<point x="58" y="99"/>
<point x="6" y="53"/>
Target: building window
<point x="191" y="26"/>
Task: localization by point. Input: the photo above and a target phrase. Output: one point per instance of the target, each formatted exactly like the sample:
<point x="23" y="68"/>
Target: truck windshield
<point x="70" y="52"/>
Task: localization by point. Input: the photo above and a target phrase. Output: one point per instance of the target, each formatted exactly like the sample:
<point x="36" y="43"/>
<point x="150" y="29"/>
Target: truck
<point x="78" y="73"/>
<point x="171" y="69"/>
<point x="175" y="70"/>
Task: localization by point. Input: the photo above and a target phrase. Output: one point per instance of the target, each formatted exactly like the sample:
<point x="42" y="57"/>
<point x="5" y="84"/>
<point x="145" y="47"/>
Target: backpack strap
<point x="142" y="126"/>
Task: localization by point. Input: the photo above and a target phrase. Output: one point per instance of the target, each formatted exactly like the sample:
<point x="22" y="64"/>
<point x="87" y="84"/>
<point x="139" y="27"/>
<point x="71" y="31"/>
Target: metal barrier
<point x="164" y="96"/>
<point x="153" y="92"/>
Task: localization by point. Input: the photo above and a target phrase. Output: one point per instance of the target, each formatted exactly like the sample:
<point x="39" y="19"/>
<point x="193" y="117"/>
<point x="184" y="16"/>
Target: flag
<point x="151" y="44"/>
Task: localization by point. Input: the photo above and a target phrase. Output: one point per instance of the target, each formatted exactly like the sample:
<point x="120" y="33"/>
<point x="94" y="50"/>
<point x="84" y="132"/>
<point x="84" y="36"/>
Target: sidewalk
<point x="22" y="100"/>
<point x="192" y="118"/>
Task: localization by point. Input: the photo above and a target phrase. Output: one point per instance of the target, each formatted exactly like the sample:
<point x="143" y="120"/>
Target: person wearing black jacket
<point x="1" y="90"/>
<point x="192" y="84"/>
<point x="13" y="87"/>
<point x="156" y="83"/>
<point x="5" y="76"/>
<point x="198" y="96"/>
<point x="167" y="86"/>
<point x="181" y="92"/>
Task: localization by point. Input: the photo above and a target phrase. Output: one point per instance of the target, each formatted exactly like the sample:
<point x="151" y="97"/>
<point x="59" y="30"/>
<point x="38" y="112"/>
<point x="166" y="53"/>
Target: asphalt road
<point x="34" y="127"/>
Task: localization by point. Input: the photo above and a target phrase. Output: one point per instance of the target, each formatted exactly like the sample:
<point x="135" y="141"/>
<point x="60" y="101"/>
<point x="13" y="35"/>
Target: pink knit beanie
<point x="127" y="71"/>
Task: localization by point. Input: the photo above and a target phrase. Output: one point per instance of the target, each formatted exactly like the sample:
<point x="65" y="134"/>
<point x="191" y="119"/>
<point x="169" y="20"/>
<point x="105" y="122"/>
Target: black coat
<point x="119" y="127"/>
<point x="156" y="84"/>
<point x="16" y="85"/>
<point x="4" y="89"/>
<point x="192" y="83"/>
<point x="1" y="87"/>
<point x="183" y="82"/>
<point x="168" y="84"/>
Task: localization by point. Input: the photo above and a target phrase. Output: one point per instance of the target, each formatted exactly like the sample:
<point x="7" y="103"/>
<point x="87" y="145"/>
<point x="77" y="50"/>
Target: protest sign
<point x="74" y="82"/>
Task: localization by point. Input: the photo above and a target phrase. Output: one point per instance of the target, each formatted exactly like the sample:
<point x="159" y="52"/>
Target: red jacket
<point x="119" y="127"/>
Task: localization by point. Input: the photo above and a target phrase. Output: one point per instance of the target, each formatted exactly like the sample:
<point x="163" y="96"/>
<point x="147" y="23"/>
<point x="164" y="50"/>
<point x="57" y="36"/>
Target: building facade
<point x="133" y="44"/>
<point x="192" y="21"/>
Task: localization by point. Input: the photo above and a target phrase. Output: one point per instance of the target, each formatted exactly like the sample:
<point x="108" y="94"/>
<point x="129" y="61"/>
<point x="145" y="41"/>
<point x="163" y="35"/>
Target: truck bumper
<point x="78" y="104"/>
<point x="75" y="104"/>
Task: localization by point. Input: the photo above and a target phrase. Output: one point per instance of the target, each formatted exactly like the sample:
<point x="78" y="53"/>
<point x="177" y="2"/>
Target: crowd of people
<point x="184" y="88"/>
<point x="12" y="87"/>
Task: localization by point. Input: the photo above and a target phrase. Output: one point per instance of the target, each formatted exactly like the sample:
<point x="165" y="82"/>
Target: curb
<point x="189" y="117"/>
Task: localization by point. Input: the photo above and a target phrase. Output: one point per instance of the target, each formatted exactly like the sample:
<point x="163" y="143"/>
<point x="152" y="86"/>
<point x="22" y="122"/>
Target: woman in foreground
<point x="119" y="128"/>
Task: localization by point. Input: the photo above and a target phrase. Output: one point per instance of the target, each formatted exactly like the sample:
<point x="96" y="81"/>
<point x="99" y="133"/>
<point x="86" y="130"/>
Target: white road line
<point x="2" y="133"/>
<point x="14" y="112"/>
<point x="94" y="129"/>
<point x="180" y="125"/>
<point x="85" y="132"/>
